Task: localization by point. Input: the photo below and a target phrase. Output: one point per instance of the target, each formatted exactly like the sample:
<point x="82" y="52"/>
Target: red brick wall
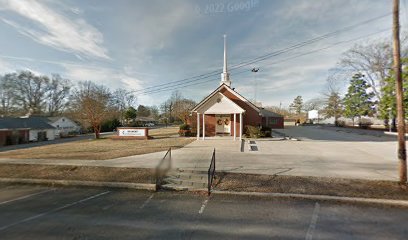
<point x="209" y="124"/>
<point x="21" y="136"/>
<point x="273" y="122"/>
<point x="250" y="117"/>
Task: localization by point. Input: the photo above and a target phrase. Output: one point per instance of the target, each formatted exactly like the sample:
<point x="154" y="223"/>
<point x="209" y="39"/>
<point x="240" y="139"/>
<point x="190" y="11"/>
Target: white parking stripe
<point x="312" y="226"/>
<point x="146" y="202"/>
<point x="53" y="210"/>
<point x="26" y="196"/>
<point x="203" y="206"/>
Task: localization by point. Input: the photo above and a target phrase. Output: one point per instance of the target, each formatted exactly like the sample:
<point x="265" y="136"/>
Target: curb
<point x="389" y="202"/>
<point x="138" y="186"/>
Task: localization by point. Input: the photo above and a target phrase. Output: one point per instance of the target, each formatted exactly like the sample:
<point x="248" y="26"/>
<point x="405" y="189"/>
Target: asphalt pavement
<point x="36" y="212"/>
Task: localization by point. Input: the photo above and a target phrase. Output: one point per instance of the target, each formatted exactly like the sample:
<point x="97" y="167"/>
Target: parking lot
<point x="35" y="212"/>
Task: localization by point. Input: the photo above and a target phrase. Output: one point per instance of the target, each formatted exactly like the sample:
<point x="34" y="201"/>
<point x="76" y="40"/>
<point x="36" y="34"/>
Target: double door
<point x="223" y="124"/>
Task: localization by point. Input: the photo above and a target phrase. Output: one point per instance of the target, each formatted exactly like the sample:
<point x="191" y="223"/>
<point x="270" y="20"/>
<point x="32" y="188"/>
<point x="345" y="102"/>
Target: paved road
<point x="34" y="212"/>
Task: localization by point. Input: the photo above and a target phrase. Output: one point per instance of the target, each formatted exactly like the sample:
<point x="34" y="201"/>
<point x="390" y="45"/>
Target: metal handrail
<point x="211" y="173"/>
<point x="163" y="167"/>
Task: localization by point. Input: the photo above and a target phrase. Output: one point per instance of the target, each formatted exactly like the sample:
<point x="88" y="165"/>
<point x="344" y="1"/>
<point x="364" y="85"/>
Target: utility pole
<point x="402" y="154"/>
<point x="255" y="70"/>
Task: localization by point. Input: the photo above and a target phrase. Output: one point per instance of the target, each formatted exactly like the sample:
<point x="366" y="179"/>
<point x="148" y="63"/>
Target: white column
<point x="235" y="126"/>
<point x="240" y="126"/>
<point x="203" y="126"/>
<point x="198" y="126"/>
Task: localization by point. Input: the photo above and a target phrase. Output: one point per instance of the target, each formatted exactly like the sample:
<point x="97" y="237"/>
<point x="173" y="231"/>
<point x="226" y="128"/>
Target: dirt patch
<point x="103" y="174"/>
<point x="310" y="185"/>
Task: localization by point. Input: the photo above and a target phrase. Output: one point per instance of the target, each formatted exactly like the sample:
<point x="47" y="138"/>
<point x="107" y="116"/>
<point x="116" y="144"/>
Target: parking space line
<point x="203" y="206"/>
<point x="146" y="202"/>
<point x="313" y="221"/>
<point x="26" y="196"/>
<point x="53" y="210"/>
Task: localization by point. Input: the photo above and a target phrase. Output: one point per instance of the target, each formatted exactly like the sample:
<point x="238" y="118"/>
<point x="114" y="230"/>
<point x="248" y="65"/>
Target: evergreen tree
<point x="387" y="105"/>
<point x="358" y="101"/>
<point x="297" y="105"/>
<point x="334" y="106"/>
<point x="129" y="114"/>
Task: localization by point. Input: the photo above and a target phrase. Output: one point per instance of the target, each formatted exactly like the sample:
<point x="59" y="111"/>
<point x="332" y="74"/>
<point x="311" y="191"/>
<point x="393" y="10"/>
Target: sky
<point x="145" y="44"/>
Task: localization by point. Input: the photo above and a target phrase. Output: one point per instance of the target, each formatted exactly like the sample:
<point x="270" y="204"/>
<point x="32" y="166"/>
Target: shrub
<point x="340" y="123"/>
<point x="185" y="127"/>
<point x="185" y="130"/>
<point x="266" y="131"/>
<point x="253" y="132"/>
<point x="365" y="123"/>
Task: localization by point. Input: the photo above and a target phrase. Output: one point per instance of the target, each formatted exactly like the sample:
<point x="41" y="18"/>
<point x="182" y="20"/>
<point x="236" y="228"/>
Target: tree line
<point x="367" y="71"/>
<point x="92" y="105"/>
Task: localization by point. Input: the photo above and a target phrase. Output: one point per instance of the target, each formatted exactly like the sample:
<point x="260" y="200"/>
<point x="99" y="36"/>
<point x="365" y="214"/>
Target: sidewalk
<point x="368" y="160"/>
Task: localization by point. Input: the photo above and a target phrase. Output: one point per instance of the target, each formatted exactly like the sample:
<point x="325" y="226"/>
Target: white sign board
<point x="132" y="132"/>
<point x="313" y="114"/>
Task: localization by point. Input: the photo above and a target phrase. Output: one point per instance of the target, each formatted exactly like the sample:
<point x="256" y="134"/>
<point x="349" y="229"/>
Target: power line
<point x="266" y="56"/>
<point x="178" y="86"/>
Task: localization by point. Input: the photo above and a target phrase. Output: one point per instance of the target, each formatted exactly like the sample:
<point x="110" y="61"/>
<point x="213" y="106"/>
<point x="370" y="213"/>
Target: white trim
<point x="231" y="91"/>
<point x="203" y="126"/>
<point x="225" y="106"/>
<point x="240" y="126"/>
<point x="198" y="126"/>
<point x="235" y="126"/>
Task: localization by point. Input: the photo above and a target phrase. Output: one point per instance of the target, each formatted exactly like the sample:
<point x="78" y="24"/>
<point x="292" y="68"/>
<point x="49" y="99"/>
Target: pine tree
<point x="297" y="105"/>
<point x="334" y="107"/>
<point x="388" y="100"/>
<point x="358" y="101"/>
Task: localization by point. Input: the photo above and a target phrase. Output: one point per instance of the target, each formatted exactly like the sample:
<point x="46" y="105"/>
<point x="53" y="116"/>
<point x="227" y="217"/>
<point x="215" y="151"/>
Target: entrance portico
<point x="219" y="115"/>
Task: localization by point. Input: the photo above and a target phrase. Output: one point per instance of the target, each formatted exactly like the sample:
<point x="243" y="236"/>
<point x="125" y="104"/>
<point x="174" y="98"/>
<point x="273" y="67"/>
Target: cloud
<point x="50" y="27"/>
<point x="111" y="78"/>
<point x="5" y="67"/>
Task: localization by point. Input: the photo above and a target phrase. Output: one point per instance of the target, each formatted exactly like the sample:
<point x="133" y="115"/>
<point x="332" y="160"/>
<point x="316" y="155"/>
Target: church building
<point x="225" y="112"/>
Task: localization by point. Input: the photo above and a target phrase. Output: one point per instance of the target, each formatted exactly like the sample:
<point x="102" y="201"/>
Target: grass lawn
<point x="105" y="148"/>
<point x="310" y="185"/>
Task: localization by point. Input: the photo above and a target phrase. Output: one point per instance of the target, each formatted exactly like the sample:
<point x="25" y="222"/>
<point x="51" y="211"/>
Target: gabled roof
<point x="53" y="119"/>
<point x="267" y="113"/>
<point x="231" y="91"/>
<point x="219" y="104"/>
<point x="24" y="123"/>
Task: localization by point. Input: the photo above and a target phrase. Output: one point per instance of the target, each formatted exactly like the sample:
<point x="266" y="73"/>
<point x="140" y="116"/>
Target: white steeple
<point x="225" y="75"/>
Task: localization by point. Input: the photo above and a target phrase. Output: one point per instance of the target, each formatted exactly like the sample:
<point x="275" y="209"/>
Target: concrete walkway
<point x="321" y="153"/>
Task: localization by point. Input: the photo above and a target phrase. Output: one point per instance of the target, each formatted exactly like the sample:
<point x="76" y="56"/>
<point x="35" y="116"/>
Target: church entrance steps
<point x="180" y="179"/>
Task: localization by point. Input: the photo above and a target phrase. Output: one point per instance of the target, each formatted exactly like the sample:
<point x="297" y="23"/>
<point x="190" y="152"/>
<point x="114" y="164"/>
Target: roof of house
<point x="231" y="91"/>
<point x="24" y="123"/>
<point x="267" y="113"/>
<point x="145" y="119"/>
<point x="53" y="119"/>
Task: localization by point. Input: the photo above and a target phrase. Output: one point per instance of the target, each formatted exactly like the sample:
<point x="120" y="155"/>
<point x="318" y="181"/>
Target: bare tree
<point x="92" y="104"/>
<point x="6" y="97"/>
<point x="374" y="60"/>
<point x="168" y="107"/>
<point x="182" y="109"/>
<point x="59" y="89"/>
<point x="30" y="91"/>
<point x="314" y="104"/>
<point x="122" y="101"/>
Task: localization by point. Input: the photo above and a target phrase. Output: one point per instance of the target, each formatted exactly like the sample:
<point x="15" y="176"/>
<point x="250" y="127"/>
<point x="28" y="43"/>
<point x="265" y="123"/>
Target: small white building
<point x="39" y="130"/>
<point x="64" y="126"/>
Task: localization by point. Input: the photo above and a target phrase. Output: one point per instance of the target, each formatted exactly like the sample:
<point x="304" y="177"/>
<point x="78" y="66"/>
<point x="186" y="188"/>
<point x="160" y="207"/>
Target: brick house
<point x="225" y="112"/>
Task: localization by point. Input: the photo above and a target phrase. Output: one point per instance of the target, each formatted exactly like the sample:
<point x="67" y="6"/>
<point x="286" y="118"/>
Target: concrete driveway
<point x="321" y="153"/>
